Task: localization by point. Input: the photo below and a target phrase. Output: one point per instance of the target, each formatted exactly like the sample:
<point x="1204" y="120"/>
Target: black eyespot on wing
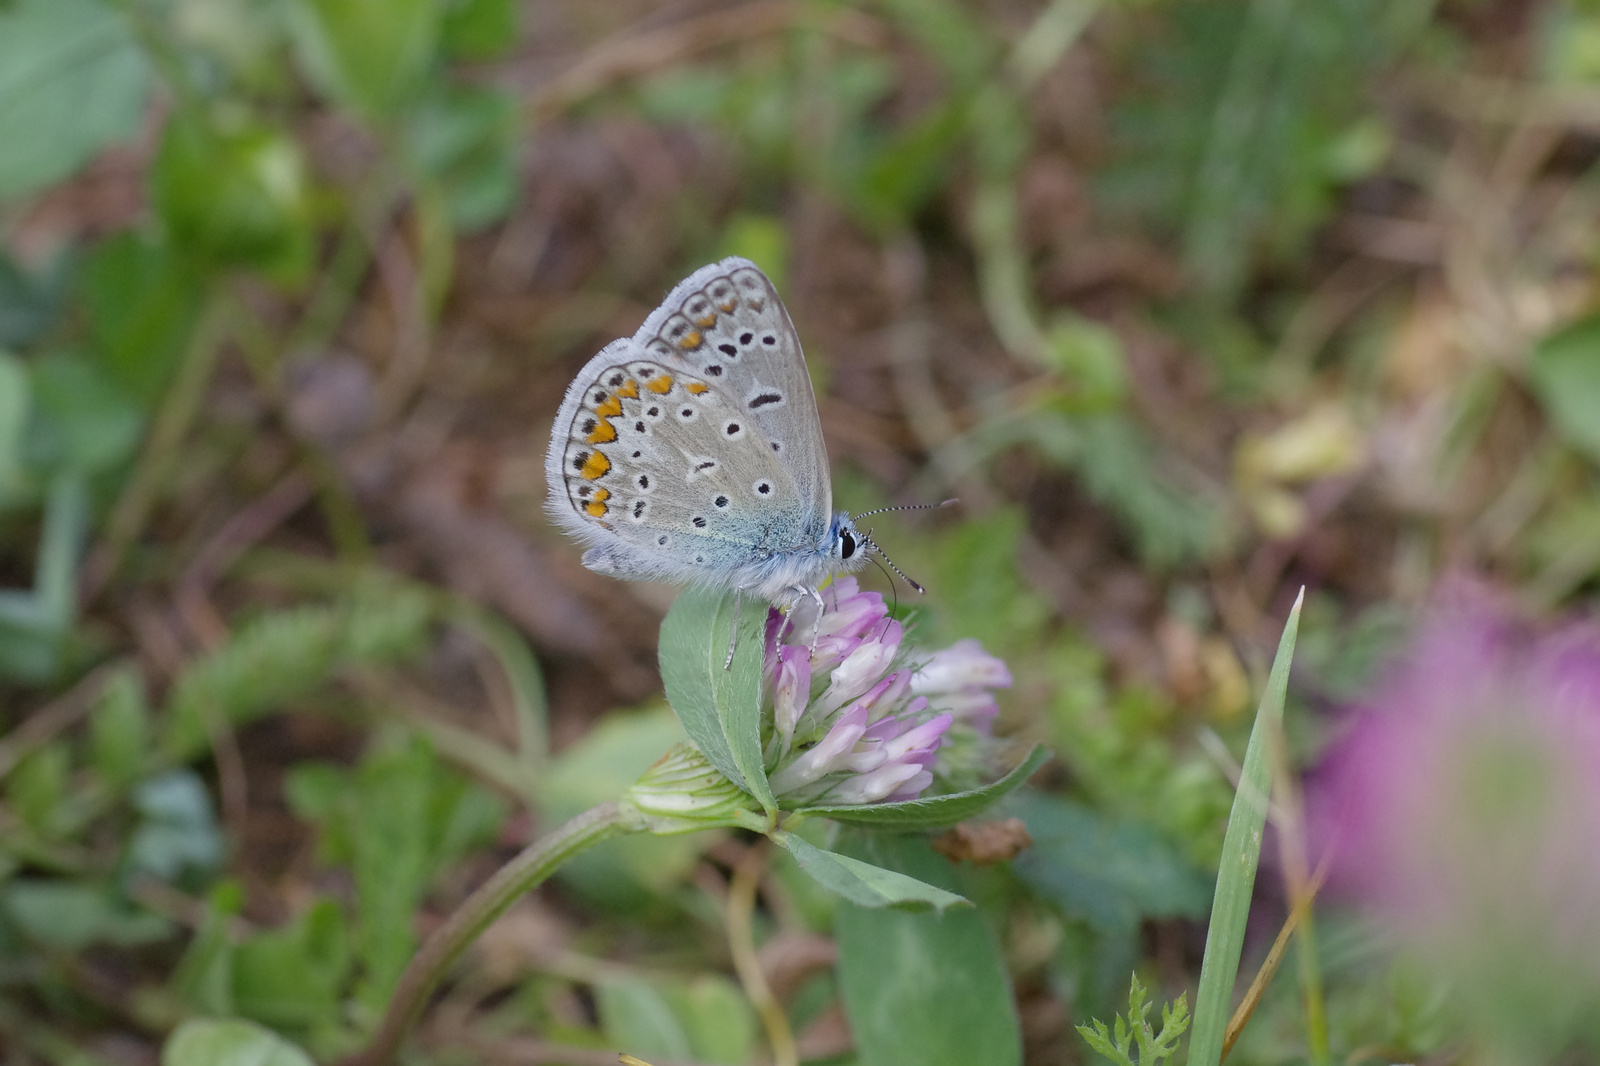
<point x="728" y="350"/>
<point x="646" y="372"/>
<point x="579" y="460"/>
<point x="720" y="501"/>
<point x="699" y="558"/>
<point x="636" y="454"/>
<point x="643" y="481"/>
<point x="777" y="446"/>
<point x="589" y="424"/>
<point x="638" y="427"/>
<point x="616" y="380"/>
<point x="662" y="540"/>
<point x="699" y="521"/>
<point x="765" y="399"/>
<point x="639" y="508"/>
<point x="709" y="464"/>
<point x="746" y="337"/>
<point x="769" y="340"/>
<point x="652" y="411"/>
<point x="585" y="491"/>
<point x="715" y="370"/>
<point x="599" y="396"/>
<point x="763" y="488"/>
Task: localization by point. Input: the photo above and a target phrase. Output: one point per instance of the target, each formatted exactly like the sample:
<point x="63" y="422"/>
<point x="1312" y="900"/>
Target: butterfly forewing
<point x="726" y="323"/>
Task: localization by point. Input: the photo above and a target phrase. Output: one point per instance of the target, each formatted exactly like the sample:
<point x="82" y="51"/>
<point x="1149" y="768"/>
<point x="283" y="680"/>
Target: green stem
<point x="513" y="880"/>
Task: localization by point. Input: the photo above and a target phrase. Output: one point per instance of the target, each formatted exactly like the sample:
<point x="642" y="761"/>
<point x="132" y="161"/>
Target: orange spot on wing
<point x="596" y="466"/>
<point x="603" y="433"/>
<point x="706" y="321"/>
<point x="596" y="509"/>
<point x="689" y="340"/>
<point x="661" y="385"/>
<point x="610" y="408"/>
<point x="698" y="387"/>
<point x="630" y="390"/>
<point x="601" y="494"/>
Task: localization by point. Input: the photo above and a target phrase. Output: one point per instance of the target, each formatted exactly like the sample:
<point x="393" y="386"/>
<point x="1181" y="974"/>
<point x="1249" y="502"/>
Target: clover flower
<point x="1462" y="808"/>
<point x="858" y="715"/>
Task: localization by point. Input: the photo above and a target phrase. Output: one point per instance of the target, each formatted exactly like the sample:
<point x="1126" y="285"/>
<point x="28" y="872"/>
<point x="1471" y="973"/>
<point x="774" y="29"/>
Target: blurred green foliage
<point x="1228" y="141"/>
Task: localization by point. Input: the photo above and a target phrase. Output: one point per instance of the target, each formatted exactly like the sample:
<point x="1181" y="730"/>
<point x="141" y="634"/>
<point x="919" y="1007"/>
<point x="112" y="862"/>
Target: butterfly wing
<point x="726" y="323"/>
<point x="676" y="460"/>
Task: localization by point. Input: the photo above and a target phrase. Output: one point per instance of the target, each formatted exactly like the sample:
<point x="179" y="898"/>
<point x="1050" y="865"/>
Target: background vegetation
<point x="1190" y="303"/>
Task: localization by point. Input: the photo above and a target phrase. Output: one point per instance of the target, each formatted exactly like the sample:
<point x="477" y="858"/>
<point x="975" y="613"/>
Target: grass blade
<point x="1241" y="852"/>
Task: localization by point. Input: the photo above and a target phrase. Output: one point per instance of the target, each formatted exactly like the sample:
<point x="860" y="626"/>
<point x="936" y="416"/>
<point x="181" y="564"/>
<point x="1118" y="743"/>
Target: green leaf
<point x="72" y="80"/>
<point x="37" y="787"/>
<point x="119" y="728"/>
<point x="369" y="55"/>
<point x="231" y="192"/>
<point x="72" y="915"/>
<point x="1111" y="874"/>
<point x="467" y="140"/>
<point x="230" y="1042"/>
<point x="704" y="1019"/>
<point x="1565" y="373"/>
<point x="142" y="303"/>
<point x="923" y="989"/>
<point x="178" y="829"/>
<point x="864" y="884"/>
<point x="395" y="822"/>
<point x="30" y="303"/>
<point x="631" y="873"/>
<point x="478" y="29"/>
<point x="293" y="976"/>
<point x="15" y="403"/>
<point x="720" y="708"/>
<point x="83" y="420"/>
<point x="1241" y="852"/>
<point x="635" y="1015"/>
<point x="936" y="811"/>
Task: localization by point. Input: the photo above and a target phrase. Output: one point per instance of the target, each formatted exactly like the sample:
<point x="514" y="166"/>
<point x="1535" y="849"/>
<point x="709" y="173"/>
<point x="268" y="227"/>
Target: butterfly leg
<point x="814" y="605"/>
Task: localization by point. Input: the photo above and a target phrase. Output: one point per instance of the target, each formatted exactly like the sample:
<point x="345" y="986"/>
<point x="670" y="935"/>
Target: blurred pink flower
<point x="857" y="716"/>
<point x="1463" y="808"/>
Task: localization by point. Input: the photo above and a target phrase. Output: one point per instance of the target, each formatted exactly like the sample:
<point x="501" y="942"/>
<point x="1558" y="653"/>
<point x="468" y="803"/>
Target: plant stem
<point x="517" y="877"/>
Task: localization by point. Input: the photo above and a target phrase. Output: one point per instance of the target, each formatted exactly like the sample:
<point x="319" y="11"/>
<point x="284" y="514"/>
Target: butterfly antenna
<point x="904" y="507"/>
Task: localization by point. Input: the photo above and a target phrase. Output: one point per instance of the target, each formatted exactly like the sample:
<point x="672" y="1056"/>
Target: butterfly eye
<point x="847" y="545"/>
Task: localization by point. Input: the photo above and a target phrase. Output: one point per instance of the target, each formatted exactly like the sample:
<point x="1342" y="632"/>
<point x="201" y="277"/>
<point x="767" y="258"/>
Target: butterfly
<point x="692" y="453"/>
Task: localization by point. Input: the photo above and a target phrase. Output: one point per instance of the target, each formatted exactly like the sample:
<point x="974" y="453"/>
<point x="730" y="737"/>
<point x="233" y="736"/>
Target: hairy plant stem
<point x="517" y="877"/>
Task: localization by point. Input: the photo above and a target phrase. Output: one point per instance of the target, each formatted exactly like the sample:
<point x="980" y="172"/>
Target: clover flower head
<point x="1462" y="810"/>
<point x="858" y="715"/>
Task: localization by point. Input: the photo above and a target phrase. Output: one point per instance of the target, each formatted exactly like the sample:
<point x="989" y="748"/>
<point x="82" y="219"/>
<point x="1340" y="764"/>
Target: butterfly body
<point x="692" y="452"/>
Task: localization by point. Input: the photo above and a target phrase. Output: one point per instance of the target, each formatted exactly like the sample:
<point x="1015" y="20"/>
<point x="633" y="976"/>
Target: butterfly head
<point x="847" y="545"/>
